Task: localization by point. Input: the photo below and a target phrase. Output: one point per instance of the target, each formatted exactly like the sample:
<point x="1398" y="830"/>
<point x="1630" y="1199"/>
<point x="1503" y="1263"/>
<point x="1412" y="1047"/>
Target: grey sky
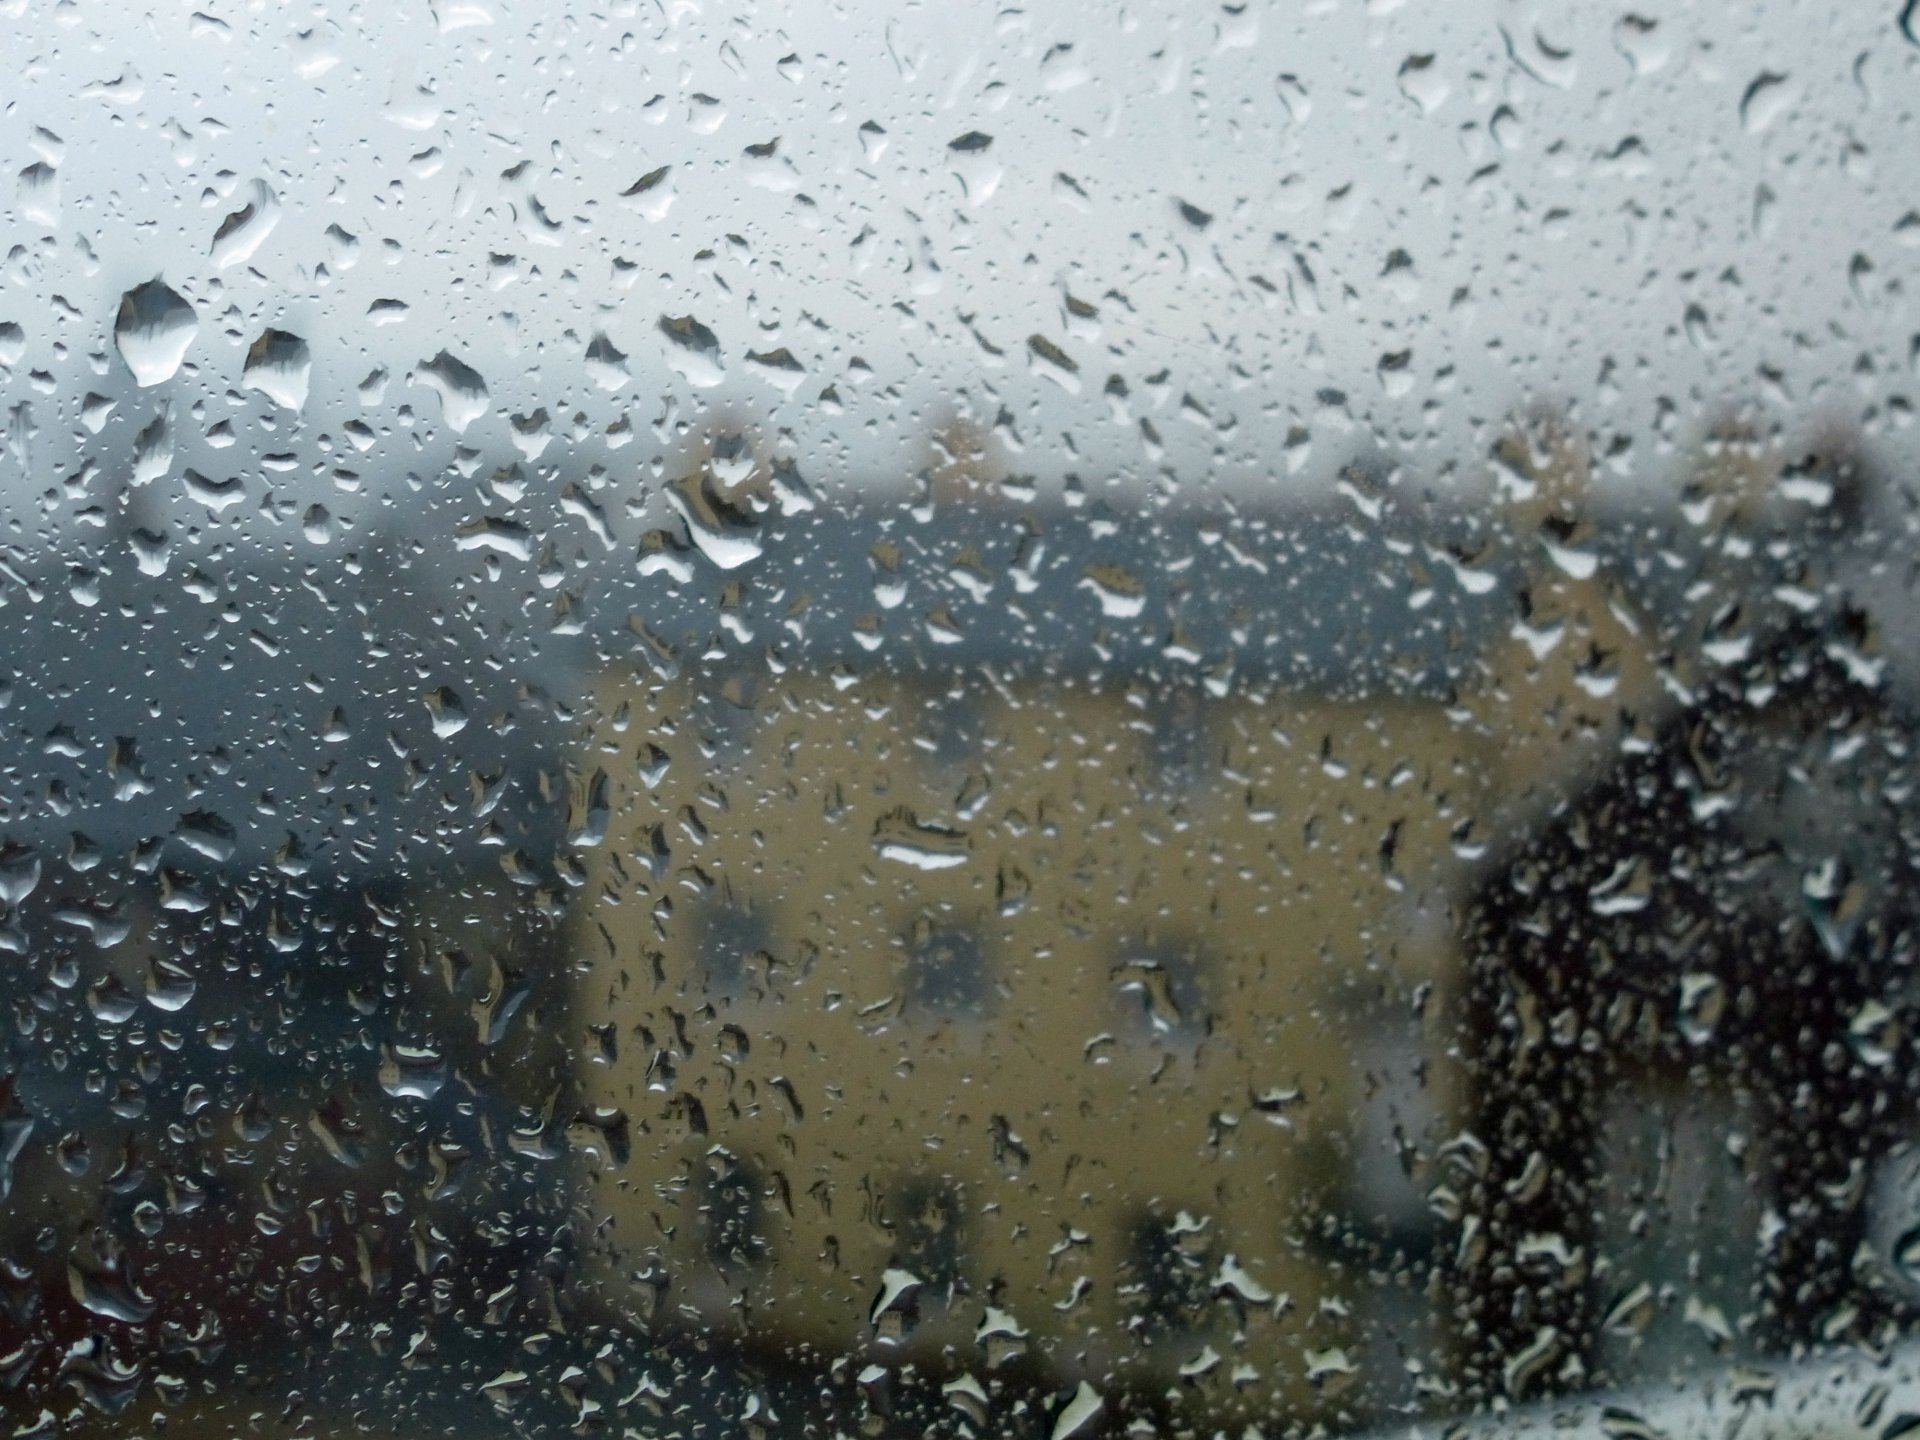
<point x="1498" y="201"/>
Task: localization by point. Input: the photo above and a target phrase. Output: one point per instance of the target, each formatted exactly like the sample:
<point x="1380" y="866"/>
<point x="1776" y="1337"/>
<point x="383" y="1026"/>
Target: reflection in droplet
<point x="281" y="367"/>
<point x="693" y="350"/>
<point x="243" y="231"/>
<point x="154" y="328"/>
<point x="901" y="836"/>
<point x="463" y="394"/>
<point x="724" y="531"/>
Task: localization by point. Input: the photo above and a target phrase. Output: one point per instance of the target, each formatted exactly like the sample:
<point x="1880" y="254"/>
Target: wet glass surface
<point x="958" y="721"/>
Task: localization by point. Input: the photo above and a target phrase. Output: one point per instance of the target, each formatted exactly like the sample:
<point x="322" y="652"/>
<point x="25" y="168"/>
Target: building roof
<point x="373" y="700"/>
<point x="1305" y="600"/>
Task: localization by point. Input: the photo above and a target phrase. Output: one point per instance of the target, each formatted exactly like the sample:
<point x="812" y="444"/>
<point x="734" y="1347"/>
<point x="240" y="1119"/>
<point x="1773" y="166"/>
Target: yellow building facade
<point x="1050" y="1016"/>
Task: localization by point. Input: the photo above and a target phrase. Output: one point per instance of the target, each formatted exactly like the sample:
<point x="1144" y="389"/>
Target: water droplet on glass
<point x="412" y="1072"/>
<point x="448" y="711"/>
<point x="463" y="394"/>
<point x="243" y="231"/>
<point x="153" y="448"/>
<point x="108" y="1293"/>
<point x="153" y="330"/>
<point x="693" y="351"/>
<point x="606" y="365"/>
<point x="40" y="193"/>
<point x="900" y="836"/>
<point x="280" y="366"/>
<point x="1078" y="1416"/>
<point x="1703" y="1002"/>
<point x="1767" y="97"/>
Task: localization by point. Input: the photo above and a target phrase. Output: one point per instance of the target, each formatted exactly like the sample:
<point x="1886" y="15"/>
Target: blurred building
<point x="1689" y="1000"/>
<point x="1021" y="938"/>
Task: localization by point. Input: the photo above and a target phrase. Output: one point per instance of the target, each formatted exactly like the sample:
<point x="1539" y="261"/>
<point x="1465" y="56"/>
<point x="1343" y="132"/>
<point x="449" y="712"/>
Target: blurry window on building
<point x="929" y="1228"/>
<point x="734" y="940"/>
<point x="1167" y="1276"/>
<point x="734" y="1209"/>
<point x="947" y="973"/>
<point x="1162" y="991"/>
<point x="1685" y="1225"/>
<point x="947" y="727"/>
<point x="1176" y="744"/>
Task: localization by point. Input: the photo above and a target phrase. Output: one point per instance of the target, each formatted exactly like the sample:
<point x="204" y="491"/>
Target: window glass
<point x="1072" y="722"/>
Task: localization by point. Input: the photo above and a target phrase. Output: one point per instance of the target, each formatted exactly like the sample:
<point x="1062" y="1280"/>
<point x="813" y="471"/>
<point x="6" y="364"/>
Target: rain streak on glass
<point x="1084" y="723"/>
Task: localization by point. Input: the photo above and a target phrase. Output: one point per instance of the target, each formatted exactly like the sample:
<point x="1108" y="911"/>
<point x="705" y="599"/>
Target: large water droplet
<point x="725" y="532"/>
<point x="449" y="712"/>
<point x="695" y="352"/>
<point x="897" y="1290"/>
<point x="1077" y="1416"/>
<point x="153" y="449"/>
<point x="1767" y="97"/>
<point x="412" y="1072"/>
<point x="153" y="331"/>
<point x="650" y="194"/>
<point x="241" y="233"/>
<point x="606" y="364"/>
<point x="207" y="834"/>
<point x="19" y="872"/>
<point x="170" y="985"/>
<point x="491" y="532"/>
<point x="40" y="193"/>
<point x="1906" y="1254"/>
<point x="216" y="495"/>
<point x="463" y="394"/>
<point x="279" y="366"/>
<point x="109" y="1295"/>
<point x="1119" y="590"/>
<point x="901" y="836"/>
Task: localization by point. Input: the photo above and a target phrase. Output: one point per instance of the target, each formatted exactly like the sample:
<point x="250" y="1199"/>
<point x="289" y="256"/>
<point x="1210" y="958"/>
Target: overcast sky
<point x="1326" y="221"/>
